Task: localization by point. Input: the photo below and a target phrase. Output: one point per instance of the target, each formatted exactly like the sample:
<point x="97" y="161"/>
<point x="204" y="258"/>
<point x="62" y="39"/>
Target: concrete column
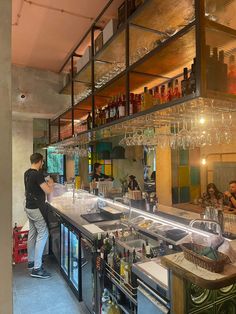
<point x="5" y="160"/>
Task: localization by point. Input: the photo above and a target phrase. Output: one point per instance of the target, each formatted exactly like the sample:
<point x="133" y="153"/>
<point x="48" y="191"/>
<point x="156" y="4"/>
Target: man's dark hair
<point x="233" y="181"/>
<point x="35" y="158"/>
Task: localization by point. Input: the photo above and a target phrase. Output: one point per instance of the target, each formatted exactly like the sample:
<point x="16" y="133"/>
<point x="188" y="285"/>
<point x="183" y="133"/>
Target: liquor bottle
<point x="148" y="250"/>
<point x="143" y="251"/>
<point x="117" y="108"/>
<point x="209" y="68"/>
<point x="127" y="269"/>
<point x="134" y="257"/>
<point x="156" y="97"/>
<point x="138" y="103"/>
<point x="223" y="72"/>
<point x="89" y="122"/>
<point x="170" y="91"/>
<point x="121" y="106"/>
<point x="146" y="100"/>
<point x="185" y="83"/>
<point x="163" y="94"/>
<point x="151" y="97"/>
<point x="15" y="227"/>
<point x="192" y="80"/>
<point x="176" y="90"/>
<point x="116" y="262"/>
<point x="131" y="104"/>
<point x="215" y="69"/>
<point x="122" y="265"/>
<point x="110" y="257"/>
<point x="232" y="75"/>
<point x="112" y="109"/>
<point x="107" y="113"/>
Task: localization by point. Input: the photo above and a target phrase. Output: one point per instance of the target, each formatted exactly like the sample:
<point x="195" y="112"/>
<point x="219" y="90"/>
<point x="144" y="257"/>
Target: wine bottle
<point x="131" y="104"/>
<point x="215" y="69"/>
<point x="89" y="122"/>
<point x="223" y="72"/>
<point x="170" y="91"/>
<point x="192" y="80"/>
<point x="185" y="83"/>
<point x="148" y="250"/>
<point x="163" y="94"/>
<point x="121" y="106"/>
<point x="176" y="90"/>
<point x="156" y="97"/>
<point x="232" y="75"/>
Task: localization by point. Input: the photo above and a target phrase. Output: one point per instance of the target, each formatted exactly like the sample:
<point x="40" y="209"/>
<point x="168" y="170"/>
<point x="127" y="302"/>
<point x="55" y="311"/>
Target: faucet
<point x="123" y="200"/>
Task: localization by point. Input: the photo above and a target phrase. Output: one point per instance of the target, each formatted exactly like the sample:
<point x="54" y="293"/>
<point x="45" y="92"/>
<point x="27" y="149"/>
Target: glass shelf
<point x="54" y="127"/>
<point x="114" y="48"/>
<point x="221" y="11"/>
<point x="66" y="125"/>
<point x="170" y="59"/>
<point x="167" y="17"/>
<point x="220" y="75"/>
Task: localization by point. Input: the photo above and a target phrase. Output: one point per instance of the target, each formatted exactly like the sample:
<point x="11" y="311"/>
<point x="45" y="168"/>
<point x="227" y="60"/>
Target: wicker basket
<point x="190" y="253"/>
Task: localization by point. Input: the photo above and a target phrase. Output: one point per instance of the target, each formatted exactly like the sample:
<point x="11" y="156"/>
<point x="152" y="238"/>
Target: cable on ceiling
<point x="18" y="16"/>
<point x="58" y="10"/>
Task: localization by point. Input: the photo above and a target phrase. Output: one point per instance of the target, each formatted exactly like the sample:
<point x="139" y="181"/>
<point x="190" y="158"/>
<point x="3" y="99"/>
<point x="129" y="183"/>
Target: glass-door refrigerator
<point x="64" y="249"/>
<point x="74" y="260"/>
<point x="70" y="258"/>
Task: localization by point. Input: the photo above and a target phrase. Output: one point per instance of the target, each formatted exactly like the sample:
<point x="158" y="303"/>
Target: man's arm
<point x="231" y="198"/>
<point x="47" y="187"/>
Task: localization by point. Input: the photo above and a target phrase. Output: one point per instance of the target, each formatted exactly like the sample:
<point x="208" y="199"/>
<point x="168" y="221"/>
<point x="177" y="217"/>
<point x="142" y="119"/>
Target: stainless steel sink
<point x="136" y="244"/>
<point x="111" y="225"/>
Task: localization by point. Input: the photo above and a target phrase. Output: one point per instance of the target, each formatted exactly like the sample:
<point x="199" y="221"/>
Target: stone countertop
<point x="72" y="211"/>
<point x="197" y="275"/>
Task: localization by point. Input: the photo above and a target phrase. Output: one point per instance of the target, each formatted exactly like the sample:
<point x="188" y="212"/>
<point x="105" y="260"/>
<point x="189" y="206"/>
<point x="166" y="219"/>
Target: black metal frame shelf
<point x="198" y="25"/>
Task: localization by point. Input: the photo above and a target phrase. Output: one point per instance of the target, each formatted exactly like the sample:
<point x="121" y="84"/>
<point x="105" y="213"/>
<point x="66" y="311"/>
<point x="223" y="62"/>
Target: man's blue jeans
<point x="37" y="238"/>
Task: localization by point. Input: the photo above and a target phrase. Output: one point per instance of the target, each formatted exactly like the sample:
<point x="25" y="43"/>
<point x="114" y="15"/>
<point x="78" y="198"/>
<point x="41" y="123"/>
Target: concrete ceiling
<point x="44" y="32"/>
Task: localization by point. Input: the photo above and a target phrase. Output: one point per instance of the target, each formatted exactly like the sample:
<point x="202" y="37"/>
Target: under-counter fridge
<point x="70" y="261"/>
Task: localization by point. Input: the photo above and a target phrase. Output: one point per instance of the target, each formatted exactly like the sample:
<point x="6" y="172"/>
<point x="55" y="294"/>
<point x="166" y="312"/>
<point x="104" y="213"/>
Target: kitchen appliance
<point x="54" y="221"/>
<point x="87" y="273"/>
<point x="70" y="257"/>
<point x="150" y="302"/>
<point x="64" y="248"/>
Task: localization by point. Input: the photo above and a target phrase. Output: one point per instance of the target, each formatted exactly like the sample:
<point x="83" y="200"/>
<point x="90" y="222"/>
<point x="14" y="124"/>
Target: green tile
<point x="183" y="157"/>
<point x="184" y="194"/>
<point x="195" y="175"/>
<point x="183" y="176"/>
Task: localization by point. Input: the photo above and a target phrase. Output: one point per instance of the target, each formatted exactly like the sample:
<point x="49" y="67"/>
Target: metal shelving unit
<point x="173" y="37"/>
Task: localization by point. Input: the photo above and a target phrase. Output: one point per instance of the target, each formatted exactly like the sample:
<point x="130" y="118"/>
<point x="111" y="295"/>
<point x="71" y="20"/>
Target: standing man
<point x="231" y="194"/>
<point x="35" y="189"/>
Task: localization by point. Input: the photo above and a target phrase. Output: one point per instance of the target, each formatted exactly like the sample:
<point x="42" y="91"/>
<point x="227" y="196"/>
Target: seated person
<point x="133" y="183"/>
<point x="213" y="197"/>
<point x="97" y="174"/>
<point x="230" y="196"/>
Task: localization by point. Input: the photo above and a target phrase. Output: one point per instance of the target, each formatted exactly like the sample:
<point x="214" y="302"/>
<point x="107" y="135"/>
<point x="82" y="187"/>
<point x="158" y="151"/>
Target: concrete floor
<point x="43" y="296"/>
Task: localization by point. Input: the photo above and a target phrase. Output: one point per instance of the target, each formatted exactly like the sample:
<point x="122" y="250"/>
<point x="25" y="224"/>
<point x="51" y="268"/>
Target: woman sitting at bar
<point x="213" y="197"/>
<point x="98" y="175"/>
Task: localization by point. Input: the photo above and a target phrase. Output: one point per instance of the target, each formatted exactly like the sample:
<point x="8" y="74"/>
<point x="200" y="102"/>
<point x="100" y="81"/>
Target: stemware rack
<point x="152" y="46"/>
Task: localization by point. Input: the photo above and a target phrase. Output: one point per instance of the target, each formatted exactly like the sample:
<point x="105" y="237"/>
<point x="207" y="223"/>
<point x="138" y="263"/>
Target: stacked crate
<point x="20" y="245"/>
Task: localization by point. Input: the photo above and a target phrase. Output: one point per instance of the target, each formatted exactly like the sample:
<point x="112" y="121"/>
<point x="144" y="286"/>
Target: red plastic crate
<point x="20" y="246"/>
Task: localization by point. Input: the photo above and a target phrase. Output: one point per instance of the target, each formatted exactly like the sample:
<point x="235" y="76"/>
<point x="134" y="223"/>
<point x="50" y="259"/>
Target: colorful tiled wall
<point x="95" y="155"/>
<point x="185" y="175"/>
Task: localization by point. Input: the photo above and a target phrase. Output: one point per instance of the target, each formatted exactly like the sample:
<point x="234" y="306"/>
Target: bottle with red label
<point x="131" y="104"/>
<point x="232" y="75"/>
<point x="163" y="94"/>
<point x="121" y="106"/>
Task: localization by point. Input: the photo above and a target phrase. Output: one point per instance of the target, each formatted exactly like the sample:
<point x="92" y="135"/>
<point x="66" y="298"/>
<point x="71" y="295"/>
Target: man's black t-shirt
<point x="33" y="192"/>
